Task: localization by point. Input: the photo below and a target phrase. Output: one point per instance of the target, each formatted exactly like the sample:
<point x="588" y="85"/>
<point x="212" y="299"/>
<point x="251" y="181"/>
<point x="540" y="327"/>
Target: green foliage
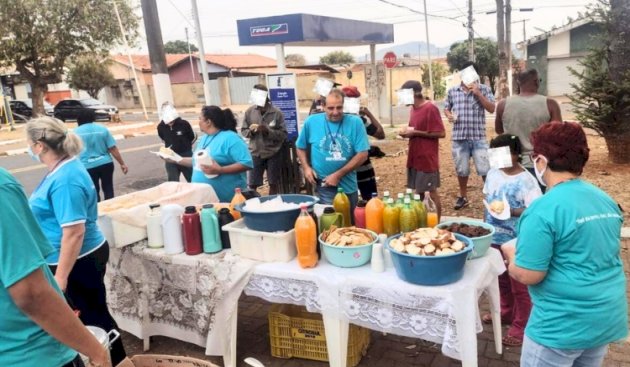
<point x="38" y="37"/>
<point x="295" y="60"/>
<point x="486" y="58"/>
<point x="179" y="47"/>
<point x="337" y="57"/>
<point x="89" y="74"/>
<point x="439" y="72"/>
<point x="602" y="102"/>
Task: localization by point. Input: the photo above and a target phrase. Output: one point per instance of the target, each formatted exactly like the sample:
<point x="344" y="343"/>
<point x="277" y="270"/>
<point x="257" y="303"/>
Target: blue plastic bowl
<point x="348" y="256"/>
<point x="430" y="270"/>
<point x="283" y="220"/>
<point x="480" y="244"/>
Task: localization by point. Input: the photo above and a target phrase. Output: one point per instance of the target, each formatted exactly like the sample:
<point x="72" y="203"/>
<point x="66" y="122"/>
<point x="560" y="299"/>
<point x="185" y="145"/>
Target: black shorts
<point x="422" y="181"/>
<point x="273" y="166"/>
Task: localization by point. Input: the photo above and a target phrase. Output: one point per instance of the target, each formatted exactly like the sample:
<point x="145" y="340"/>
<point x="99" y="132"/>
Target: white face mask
<point x="540" y="174"/>
<point x="169" y="113"/>
<point x="34" y="156"/>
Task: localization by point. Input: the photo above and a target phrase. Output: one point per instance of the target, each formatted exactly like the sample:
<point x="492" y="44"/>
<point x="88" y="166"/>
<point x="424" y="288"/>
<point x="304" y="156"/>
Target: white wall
<point x="22" y="90"/>
<point x="559" y="45"/>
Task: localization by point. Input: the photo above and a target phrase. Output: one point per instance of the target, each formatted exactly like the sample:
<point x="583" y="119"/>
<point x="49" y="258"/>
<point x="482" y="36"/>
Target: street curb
<point x="16" y="151"/>
<point x="9" y="142"/>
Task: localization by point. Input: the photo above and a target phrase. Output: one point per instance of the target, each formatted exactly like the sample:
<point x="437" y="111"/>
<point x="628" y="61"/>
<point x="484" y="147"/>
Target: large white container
<point x="261" y="246"/>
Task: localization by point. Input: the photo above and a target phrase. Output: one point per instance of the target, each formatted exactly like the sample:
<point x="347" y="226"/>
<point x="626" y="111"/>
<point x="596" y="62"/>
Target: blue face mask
<point x="34" y="156"/>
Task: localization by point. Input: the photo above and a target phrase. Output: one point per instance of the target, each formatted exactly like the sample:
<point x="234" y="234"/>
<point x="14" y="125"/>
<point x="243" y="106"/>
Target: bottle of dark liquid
<point x="225" y="217"/>
<point x="191" y="226"/>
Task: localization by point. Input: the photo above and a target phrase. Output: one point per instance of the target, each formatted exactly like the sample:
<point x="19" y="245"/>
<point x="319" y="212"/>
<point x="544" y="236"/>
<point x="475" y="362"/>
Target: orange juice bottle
<point x="374" y="214"/>
<point x="391" y="225"/>
<point x="432" y="214"/>
<point x="421" y="211"/>
<point x="341" y="203"/>
<point x="236" y="199"/>
<point x="408" y="221"/>
<point x="306" y="239"/>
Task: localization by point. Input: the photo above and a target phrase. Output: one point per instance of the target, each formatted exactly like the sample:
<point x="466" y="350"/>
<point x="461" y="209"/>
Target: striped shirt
<point x="471" y="116"/>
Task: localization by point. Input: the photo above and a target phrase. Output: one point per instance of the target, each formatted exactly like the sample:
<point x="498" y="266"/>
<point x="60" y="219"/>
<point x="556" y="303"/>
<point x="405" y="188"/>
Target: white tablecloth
<point x="190" y="298"/>
<point x="381" y="301"/>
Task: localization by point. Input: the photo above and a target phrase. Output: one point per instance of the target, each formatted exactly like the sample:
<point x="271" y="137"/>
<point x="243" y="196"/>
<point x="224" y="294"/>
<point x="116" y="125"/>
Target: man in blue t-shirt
<point x="337" y="144"/>
<point x="37" y="328"/>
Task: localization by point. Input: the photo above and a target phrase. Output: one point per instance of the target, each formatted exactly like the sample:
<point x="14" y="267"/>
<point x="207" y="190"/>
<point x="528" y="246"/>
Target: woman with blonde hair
<point x="65" y="206"/>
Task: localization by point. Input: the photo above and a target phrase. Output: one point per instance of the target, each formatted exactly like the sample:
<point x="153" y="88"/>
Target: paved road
<point x="145" y="169"/>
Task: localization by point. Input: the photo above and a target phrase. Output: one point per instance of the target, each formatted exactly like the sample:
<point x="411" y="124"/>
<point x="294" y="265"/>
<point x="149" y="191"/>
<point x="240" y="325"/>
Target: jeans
<point x="327" y="194"/>
<point x="536" y="355"/>
<point x="103" y="178"/>
<point x="173" y="170"/>
<point x="463" y="150"/>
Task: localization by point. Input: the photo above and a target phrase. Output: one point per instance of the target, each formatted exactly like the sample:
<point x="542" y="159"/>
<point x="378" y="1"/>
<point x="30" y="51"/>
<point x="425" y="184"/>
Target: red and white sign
<point x="390" y="60"/>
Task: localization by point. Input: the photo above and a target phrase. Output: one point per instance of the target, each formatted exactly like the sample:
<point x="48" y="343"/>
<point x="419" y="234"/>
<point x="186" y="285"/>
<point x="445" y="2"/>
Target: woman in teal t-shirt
<point x="568" y="253"/>
<point x="230" y="155"/>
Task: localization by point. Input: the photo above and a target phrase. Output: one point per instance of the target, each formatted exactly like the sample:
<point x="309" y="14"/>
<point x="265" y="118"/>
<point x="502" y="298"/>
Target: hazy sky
<point x="218" y="20"/>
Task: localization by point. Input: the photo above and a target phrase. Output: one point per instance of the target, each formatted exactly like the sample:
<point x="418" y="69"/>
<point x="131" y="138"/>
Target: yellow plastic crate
<point x="295" y="332"/>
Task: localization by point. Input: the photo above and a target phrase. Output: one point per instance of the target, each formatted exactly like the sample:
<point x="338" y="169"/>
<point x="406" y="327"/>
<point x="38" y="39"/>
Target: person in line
<point x="178" y="136"/>
<point x="366" y="176"/>
<point x="568" y="254"/>
<point x="98" y="148"/>
<point x="521" y="114"/>
<point x="65" y="206"/>
<point x="520" y="189"/>
<point x="266" y="131"/>
<point x="465" y="107"/>
<point x="337" y="144"/>
<point x="424" y="131"/>
<point x="37" y="328"/>
<point x="229" y="153"/>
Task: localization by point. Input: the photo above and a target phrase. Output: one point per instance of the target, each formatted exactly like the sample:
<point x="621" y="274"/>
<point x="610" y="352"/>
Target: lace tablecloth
<point x="190" y="298"/>
<point x="381" y="301"/>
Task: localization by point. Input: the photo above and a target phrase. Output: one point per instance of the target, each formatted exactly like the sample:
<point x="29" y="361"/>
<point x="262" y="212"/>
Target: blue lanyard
<point x="329" y="132"/>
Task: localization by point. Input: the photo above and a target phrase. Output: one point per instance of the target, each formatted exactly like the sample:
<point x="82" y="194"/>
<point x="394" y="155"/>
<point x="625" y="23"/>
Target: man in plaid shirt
<point x="465" y="107"/>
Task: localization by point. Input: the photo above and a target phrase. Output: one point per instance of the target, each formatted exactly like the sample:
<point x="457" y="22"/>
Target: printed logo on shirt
<point x="335" y="148"/>
<point x="179" y="133"/>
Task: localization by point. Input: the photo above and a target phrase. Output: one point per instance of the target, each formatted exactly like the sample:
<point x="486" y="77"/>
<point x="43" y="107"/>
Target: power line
<point x="417" y="11"/>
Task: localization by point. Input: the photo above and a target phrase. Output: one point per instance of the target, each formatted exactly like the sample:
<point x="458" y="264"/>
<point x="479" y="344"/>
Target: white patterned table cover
<point x="190" y="298"/>
<point x="381" y="301"/>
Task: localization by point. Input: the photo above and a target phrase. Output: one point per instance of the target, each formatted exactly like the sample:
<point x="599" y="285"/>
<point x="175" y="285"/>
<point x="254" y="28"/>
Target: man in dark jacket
<point x="177" y="135"/>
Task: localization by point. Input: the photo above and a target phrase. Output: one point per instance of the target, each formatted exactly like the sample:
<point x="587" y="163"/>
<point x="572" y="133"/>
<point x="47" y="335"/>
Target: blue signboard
<point x="283" y="96"/>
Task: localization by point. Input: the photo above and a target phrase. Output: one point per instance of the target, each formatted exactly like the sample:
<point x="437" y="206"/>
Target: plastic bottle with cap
<point x="374" y="214"/>
<point x="172" y="228"/>
<point x="155" y="238"/>
<point x="306" y="239"/>
<point x="238" y="198"/>
<point x="359" y="214"/>
<point x="210" y="233"/>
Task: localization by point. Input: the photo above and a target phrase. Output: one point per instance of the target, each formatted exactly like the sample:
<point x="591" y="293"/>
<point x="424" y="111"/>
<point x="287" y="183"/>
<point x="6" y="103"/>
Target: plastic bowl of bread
<point x="479" y="232"/>
<point x="347" y="247"/>
<point x="429" y="256"/>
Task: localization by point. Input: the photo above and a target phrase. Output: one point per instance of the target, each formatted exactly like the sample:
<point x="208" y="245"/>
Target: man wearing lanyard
<point x="337" y="145"/>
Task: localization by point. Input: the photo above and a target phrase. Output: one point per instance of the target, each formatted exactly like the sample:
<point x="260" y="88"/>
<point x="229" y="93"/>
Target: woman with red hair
<point x="568" y="253"/>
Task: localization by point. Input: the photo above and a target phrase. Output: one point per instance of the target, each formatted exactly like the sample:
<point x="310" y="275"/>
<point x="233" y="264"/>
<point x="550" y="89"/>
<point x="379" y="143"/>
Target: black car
<point x="23" y="109"/>
<point x="68" y="109"/>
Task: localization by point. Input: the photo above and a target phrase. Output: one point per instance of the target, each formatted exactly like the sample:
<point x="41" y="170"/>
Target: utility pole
<point x="426" y="25"/>
<point x="159" y="70"/>
<point x="202" y="54"/>
<point x="508" y="42"/>
<point x="192" y="67"/>
<point x="471" y="35"/>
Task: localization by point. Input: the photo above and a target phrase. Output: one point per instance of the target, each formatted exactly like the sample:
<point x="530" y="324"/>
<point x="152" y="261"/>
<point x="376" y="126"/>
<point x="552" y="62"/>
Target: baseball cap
<point x="412" y="84"/>
<point x="351" y="91"/>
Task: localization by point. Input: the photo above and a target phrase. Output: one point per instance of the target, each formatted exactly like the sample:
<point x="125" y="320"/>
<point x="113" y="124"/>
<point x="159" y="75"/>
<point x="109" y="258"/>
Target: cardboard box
<point x="157" y="360"/>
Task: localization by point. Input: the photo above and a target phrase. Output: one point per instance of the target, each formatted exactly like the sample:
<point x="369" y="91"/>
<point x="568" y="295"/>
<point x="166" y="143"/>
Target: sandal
<point x="510" y="341"/>
<point x="487" y="319"/>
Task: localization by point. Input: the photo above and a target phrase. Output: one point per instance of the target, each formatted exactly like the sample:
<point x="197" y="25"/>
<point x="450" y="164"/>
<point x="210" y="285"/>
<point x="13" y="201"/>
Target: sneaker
<point x="460" y="203"/>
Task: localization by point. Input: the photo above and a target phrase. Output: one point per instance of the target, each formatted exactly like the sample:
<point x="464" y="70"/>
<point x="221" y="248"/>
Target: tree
<point x="337" y="57"/>
<point x="295" y="60"/>
<point x="38" y="37"/>
<point x="601" y="97"/>
<point x="486" y="58"/>
<point x="179" y="47"/>
<point x="439" y="72"/>
<point x="89" y="74"/>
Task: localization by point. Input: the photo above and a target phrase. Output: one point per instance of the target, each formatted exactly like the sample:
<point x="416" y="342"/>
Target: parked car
<point x="23" y="109"/>
<point x="68" y="109"/>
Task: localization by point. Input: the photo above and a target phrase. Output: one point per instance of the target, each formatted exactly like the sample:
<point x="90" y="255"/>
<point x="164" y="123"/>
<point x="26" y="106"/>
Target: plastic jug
<point x="306" y="239"/>
<point x="191" y="227"/>
<point x="210" y="232"/>
<point x="374" y="214"/>
<point x="421" y="211"/>
<point x="341" y="203"/>
<point x="432" y="214"/>
<point x="225" y="217"/>
<point x="172" y="228"/>
<point x="359" y="214"/>
<point x="329" y="218"/>
<point x="390" y="219"/>
<point x="236" y="199"/>
<point x="408" y="219"/>
<point x="155" y="238"/>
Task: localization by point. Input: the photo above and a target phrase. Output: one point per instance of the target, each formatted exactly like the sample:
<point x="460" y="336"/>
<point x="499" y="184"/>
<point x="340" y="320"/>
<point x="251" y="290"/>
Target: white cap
<point x="386" y="193"/>
<point x="408" y="191"/>
<point x="401" y="195"/>
<point x="416" y="197"/>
